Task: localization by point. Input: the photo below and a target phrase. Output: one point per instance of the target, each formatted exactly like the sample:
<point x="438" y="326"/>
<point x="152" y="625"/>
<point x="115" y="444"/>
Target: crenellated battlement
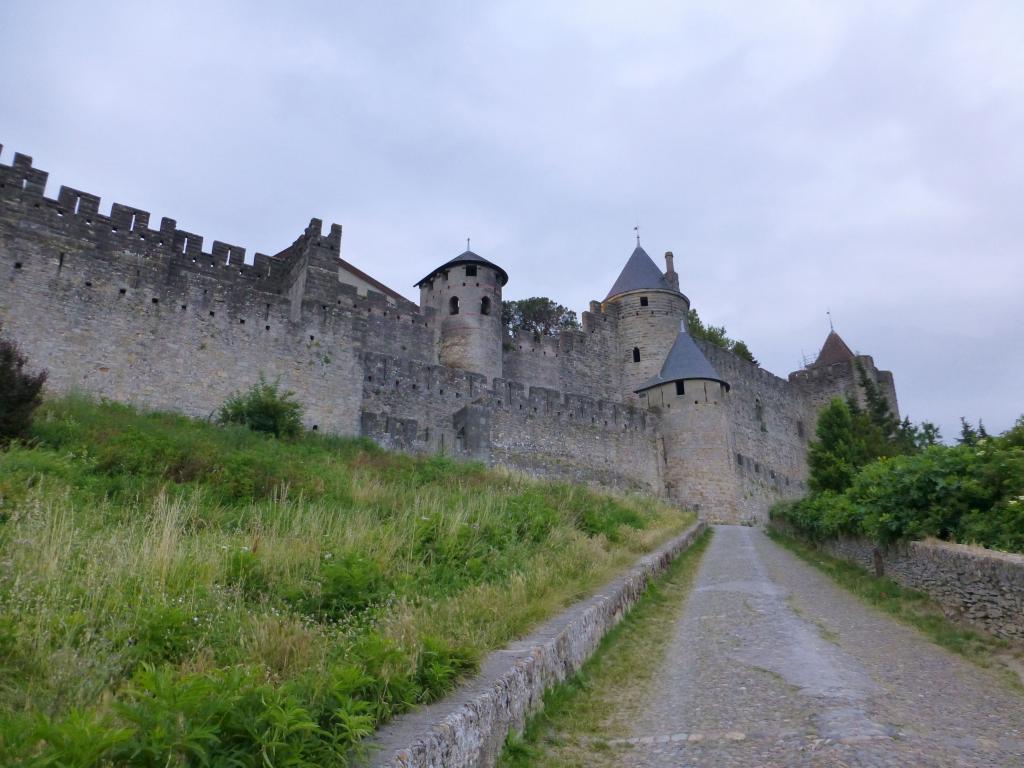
<point x="76" y="214"/>
<point x="391" y="381"/>
<point x="111" y="303"/>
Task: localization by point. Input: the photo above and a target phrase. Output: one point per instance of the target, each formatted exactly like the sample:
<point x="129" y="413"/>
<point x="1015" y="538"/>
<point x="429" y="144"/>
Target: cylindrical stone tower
<point x="650" y="310"/>
<point x="466" y="296"/>
<point x="691" y="400"/>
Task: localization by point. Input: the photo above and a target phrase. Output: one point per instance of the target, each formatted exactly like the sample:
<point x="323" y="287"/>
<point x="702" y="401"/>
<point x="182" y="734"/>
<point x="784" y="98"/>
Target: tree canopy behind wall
<point x="717" y="335"/>
<point x="538" y="315"/>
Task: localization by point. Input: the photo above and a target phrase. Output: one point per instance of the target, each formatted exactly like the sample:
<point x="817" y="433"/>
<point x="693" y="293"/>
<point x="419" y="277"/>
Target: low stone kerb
<point x="469" y="728"/>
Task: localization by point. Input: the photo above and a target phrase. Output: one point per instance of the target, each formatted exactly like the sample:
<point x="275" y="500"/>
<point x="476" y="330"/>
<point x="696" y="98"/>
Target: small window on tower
<point x="471" y="270"/>
<point x="485" y="306"/>
<point x="680" y="387"/>
<point x="636" y="354"/>
<point x="643" y="301"/>
<point x="453" y="305"/>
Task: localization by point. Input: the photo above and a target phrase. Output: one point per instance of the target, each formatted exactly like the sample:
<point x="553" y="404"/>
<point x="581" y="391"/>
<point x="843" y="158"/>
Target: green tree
<point x="21" y="392"/>
<point x="968" y="434"/>
<point x="264" y="408"/>
<point x="717" y="335"/>
<point x="928" y="434"/>
<point x="742" y="351"/>
<point x="880" y="429"/>
<point x="537" y="315"/>
<point x="838" y="452"/>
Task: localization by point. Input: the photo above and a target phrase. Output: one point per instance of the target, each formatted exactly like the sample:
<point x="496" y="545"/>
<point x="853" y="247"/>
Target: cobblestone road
<point x="772" y="664"/>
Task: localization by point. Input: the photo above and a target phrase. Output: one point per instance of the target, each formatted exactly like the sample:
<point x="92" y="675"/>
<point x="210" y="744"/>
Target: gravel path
<point x="773" y="664"/>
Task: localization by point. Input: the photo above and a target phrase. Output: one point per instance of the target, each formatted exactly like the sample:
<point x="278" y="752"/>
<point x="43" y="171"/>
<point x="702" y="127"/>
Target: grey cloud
<point x="794" y="156"/>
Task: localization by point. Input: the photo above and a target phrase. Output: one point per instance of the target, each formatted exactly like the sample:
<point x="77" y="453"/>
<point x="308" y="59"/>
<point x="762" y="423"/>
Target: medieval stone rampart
<point x="110" y="306"/>
<point x="415" y="406"/>
<point x="580" y="361"/>
<point x="768" y="421"/>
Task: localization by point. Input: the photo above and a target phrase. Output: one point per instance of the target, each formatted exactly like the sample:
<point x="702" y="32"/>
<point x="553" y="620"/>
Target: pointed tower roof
<point x="834" y="350"/>
<point x="684" y="361"/>
<point x="639" y="274"/>
<point x="467" y="257"/>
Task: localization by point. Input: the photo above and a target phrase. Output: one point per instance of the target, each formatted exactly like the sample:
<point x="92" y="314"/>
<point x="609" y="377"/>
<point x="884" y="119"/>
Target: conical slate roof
<point x="684" y="361"/>
<point x="467" y="257"/>
<point x="834" y="350"/>
<point x="639" y="274"/>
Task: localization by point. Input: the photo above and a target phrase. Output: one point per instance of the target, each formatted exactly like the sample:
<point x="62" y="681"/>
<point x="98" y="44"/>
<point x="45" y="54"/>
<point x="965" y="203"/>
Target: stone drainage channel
<point x="772" y="664"/>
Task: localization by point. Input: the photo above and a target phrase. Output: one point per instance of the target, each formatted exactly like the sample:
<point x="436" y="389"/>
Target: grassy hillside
<point x="176" y="593"/>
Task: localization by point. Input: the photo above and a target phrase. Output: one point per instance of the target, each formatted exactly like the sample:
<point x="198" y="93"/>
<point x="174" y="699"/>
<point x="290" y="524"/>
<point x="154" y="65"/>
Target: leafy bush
<point x="245" y="573"/>
<point x="966" y="493"/>
<point x="717" y="335"/>
<point x="345" y="585"/>
<point x="439" y="666"/>
<point x="537" y="315"/>
<point x="264" y="408"/>
<point x="21" y="392"/>
<point x="162" y="633"/>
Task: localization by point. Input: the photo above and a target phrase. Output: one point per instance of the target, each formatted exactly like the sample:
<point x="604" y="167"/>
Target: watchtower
<point x="466" y="296"/>
<point x="650" y="309"/>
<point x="690" y="398"/>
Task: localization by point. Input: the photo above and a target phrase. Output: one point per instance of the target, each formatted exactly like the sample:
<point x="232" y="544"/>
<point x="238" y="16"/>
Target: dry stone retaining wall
<point x="469" y="728"/>
<point x="983" y="587"/>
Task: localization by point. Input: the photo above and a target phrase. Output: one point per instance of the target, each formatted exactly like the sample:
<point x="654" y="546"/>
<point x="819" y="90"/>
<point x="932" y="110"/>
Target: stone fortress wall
<point x="110" y="306"/>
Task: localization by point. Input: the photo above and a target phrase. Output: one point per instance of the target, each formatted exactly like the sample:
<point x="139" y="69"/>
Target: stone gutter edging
<point x="468" y="729"/>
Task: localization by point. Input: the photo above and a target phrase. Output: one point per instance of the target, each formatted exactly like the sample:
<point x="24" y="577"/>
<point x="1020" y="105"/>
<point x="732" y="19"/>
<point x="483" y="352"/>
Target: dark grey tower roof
<point x="639" y="274"/>
<point x="684" y="361"/>
<point x="467" y="257"/>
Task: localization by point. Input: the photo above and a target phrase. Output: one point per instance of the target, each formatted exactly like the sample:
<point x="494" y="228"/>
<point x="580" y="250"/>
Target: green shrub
<point x="245" y="573"/>
<point x="162" y="633"/>
<point x="440" y="666"/>
<point x="345" y="585"/>
<point x="264" y="407"/>
<point x="227" y="717"/>
<point x="21" y="392"/>
<point x="965" y="493"/>
<point x="81" y="739"/>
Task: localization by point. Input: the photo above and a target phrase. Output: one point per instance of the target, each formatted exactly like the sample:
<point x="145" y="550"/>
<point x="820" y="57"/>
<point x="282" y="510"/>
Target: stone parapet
<point x="468" y="729"/>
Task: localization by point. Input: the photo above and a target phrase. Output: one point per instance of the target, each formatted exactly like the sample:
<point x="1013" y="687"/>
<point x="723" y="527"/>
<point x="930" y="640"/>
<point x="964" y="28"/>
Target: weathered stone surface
<point x="978" y="585"/>
<point x="468" y="729"/>
<point x="110" y="306"/>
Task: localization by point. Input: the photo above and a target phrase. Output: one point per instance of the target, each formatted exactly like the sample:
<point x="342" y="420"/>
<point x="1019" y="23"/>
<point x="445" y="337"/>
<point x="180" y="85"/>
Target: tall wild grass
<point x="176" y="593"/>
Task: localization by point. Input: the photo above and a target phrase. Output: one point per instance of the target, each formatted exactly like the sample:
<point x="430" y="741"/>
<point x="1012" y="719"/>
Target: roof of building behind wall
<point x="684" y="361"/>
<point x="639" y="274"/>
<point x="834" y="350"/>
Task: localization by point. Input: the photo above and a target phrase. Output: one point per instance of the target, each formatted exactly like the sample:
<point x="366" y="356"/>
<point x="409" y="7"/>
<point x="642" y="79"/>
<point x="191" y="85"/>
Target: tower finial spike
<point x="637" y="230"/>
<point x="467" y="243"/>
<point x="829" y="313"/>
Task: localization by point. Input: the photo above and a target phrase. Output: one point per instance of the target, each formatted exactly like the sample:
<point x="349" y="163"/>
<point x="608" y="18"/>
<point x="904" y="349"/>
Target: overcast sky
<point x="866" y="158"/>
